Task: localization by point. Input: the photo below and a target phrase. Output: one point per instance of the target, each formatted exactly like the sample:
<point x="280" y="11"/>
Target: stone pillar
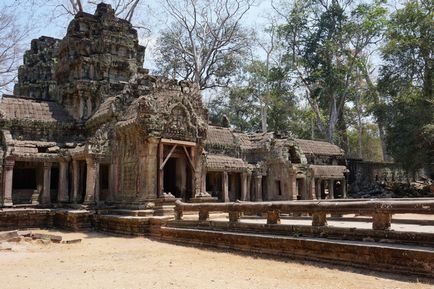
<point x="225" y="187"/>
<point x="92" y="182"/>
<point x="46" y="189"/>
<point x="331" y="189"/>
<point x="203" y="188"/>
<point x="7" y="182"/>
<point x="63" y="196"/>
<point x="75" y="180"/>
<point x="312" y="188"/>
<point x="344" y="189"/>
<point x="318" y="188"/>
<point x="292" y="186"/>
<point x="249" y="190"/>
<point x="258" y="188"/>
<point x="243" y="186"/>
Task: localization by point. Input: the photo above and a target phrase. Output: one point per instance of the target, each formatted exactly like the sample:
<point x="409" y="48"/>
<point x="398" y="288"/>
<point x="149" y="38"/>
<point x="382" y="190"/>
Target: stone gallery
<point x="88" y="125"/>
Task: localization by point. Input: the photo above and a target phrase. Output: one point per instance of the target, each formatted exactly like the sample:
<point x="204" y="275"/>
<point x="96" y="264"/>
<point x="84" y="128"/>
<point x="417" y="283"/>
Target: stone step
<point x="392" y="258"/>
<point x="326" y="232"/>
<point x="135" y="213"/>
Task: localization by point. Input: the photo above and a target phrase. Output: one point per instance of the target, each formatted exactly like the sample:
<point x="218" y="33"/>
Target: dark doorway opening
<point x="82" y="181"/>
<point x="103" y="182"/>
<point x="170" y="178"/>
<point x="214" y="184"/>
<point x="54" y="184"/>
<point x="264" y="189"/>
<point x="23" y="185"/>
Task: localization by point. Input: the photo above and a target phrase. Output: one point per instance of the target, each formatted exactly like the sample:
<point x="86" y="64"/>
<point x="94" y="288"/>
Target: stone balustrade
<point x="381" y="210"/>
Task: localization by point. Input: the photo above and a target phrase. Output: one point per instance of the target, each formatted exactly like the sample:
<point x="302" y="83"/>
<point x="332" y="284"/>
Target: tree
<point x="12" y="35"/>
<point x="204" y="41"/>
<point x="406" y="82"/>
<point x="325" y="41"/>
<point x="123" y="8"/>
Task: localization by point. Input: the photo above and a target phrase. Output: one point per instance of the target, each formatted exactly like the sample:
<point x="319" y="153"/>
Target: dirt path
<point x="101" y="261"/>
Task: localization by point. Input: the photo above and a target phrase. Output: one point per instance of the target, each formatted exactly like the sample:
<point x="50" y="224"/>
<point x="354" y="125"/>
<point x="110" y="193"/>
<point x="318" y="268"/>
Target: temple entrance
<point x="24" y="182"/>
<point x="170" y="179"/>
<point x="176" y="168"/>
<point x="82" y="168"/>
<point x="103" y="182"/>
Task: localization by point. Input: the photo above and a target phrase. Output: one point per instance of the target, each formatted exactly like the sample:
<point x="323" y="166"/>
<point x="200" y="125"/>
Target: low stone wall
<point x="72" y="220"/>
<point x="125" y="225"/>
<point x="26" y="218"/>
<point x="389" y="258"/>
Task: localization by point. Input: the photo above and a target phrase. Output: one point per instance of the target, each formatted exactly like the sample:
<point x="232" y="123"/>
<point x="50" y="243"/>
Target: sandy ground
<point x="102" y="261"/>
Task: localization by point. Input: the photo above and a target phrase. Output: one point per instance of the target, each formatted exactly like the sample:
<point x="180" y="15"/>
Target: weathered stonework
<point x="88" y="125"/>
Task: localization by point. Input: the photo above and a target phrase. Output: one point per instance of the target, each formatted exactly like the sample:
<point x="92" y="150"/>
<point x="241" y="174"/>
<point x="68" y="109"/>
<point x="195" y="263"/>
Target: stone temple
<point x="87" y="125"/>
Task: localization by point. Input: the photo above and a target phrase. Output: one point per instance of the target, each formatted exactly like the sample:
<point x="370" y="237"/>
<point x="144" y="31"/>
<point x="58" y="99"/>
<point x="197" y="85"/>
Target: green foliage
<point x="406" y="83"/>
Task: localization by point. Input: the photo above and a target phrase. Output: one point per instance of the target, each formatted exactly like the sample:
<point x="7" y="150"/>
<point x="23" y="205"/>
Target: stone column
<point x="249" y="181"/>
<point x="344" y="188"/>
<point x="312" y="188"/>
<point x="258" y="188"/>
<point x="203" y="189"/>
<point x="225" y="187"/>
<point x="243" y="186"/>
<point x="75" y="180"/>
<point x="331" y="189"/>
<point x="46" y="189"/>
<point x="292" y="186"/>
<point x="7" y="182"/>
<point x="318" y="188"/>
<point x="63" y="196"/>
<point x="92" y="182"/>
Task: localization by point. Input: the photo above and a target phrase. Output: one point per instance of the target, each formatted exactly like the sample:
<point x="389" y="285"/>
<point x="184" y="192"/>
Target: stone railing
<point x="381" y="210"/>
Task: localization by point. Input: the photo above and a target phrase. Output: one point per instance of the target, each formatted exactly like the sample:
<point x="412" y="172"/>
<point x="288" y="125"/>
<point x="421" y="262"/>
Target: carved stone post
<point x="92" y="182"/>
<point x="292" y="186"/>
<point x="203" y="189"/>
<point x="344" y="188"/>
<point x="225" y="187"/>
<point x="258" y="188"/>
<point x="273" y="217"/>
<point x="75" y="181"/>
<point x="63" y="196"/>
<point x="331" y="189"/>
<point x="46" y="190"/>
<point x="381" y="221"/>
<point x="7" y="182"/>
<point x="249" y="190"/>
<point x="319" y="219"/>
<point x="243" y="186"/>
<point x="312" y="189"/>
<point x="318" y="188"/>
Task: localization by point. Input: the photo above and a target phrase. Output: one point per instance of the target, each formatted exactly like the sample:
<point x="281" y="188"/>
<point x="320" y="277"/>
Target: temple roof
<point x="312" y="147"/>
<point x="326" y="171"/>
<point x="220" y="135"/>
<point x="14" y="107"/>
<point x="220" y="162"/>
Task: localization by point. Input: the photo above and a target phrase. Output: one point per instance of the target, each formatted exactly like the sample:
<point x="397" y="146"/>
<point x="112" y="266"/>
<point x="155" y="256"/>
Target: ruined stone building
<point x="88" y="125"/>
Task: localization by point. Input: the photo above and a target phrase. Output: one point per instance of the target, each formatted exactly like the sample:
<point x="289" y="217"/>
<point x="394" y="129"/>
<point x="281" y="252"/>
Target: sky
<point x="51" y="20"/>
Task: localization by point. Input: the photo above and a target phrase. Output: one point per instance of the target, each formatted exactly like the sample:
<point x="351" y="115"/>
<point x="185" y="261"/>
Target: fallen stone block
<point x="8" y="235"/>
<point x="52" y="238"/>
<point x="73" y="241"/>
<point x="25" y="233"/>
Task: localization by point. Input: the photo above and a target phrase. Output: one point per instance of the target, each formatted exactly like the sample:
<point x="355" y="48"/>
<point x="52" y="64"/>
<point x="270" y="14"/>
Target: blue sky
<point x="50" y="19"/>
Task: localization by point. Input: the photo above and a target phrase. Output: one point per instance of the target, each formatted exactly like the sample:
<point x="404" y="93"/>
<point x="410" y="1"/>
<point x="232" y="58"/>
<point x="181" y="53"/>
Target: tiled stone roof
<point x="220" y="135"/>
<point x="225" y="163"/>
<point x="12" y="107"/>
<point x="311" y="147"/>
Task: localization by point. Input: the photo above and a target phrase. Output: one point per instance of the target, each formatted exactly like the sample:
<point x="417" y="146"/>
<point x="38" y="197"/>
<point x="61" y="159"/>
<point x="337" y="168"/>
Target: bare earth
<point x="102" y="261"/>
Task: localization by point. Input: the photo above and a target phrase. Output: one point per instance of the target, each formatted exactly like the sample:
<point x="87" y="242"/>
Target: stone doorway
<point x="25" y="181"/>
<point x="176" y="168"/>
